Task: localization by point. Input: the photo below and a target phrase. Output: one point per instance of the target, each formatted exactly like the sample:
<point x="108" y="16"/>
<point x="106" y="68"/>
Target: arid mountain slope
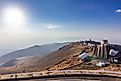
<point x="37" y="50"/>
<point x="53" y="58"/>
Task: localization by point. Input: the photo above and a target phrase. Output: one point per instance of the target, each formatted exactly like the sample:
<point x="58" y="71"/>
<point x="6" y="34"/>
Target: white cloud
<point x="118" y="11"/>
<point x="43" y="26"/>
<point x="51" y="26"/>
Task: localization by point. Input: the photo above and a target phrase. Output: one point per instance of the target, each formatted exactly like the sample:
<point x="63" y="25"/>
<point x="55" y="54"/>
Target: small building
<point x="113" y="52"/>
<point x="84" y="56"/>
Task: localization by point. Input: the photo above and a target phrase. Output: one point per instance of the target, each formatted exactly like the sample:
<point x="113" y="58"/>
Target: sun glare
<point x="14" y="19"/>
<point x="14" y="16"/>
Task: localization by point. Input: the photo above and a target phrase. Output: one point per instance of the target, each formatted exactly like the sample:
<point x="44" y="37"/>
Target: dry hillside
<point x="69" y="52"/>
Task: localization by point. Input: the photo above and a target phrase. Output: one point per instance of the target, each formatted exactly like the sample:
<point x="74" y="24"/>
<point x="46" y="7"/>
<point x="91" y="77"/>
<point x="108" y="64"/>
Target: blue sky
<point x="49" y="21"/>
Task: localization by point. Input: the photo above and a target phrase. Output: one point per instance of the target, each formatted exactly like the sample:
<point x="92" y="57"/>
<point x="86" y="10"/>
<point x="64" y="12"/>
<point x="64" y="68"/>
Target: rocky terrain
<point x="73" y="62"/>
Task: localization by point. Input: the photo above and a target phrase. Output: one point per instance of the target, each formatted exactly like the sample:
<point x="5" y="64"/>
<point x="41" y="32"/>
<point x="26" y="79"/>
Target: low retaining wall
<point x="62" y="73"/>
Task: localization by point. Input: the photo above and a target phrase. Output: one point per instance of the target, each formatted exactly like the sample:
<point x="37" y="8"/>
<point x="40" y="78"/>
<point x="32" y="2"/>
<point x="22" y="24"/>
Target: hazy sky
<point x="48" y="21"/>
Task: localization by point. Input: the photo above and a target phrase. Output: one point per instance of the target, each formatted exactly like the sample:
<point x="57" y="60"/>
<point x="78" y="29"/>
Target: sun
<point x="14" y="16"/>
<point x="14" y="19"/>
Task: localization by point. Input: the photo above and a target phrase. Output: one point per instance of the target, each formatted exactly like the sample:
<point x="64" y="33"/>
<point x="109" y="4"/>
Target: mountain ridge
<point x="36" y="50"/>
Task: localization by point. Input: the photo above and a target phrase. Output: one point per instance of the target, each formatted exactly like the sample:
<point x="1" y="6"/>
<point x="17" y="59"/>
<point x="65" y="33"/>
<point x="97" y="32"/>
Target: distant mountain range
<point x="37" y="50"/>
<point x="6" y="51"/>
